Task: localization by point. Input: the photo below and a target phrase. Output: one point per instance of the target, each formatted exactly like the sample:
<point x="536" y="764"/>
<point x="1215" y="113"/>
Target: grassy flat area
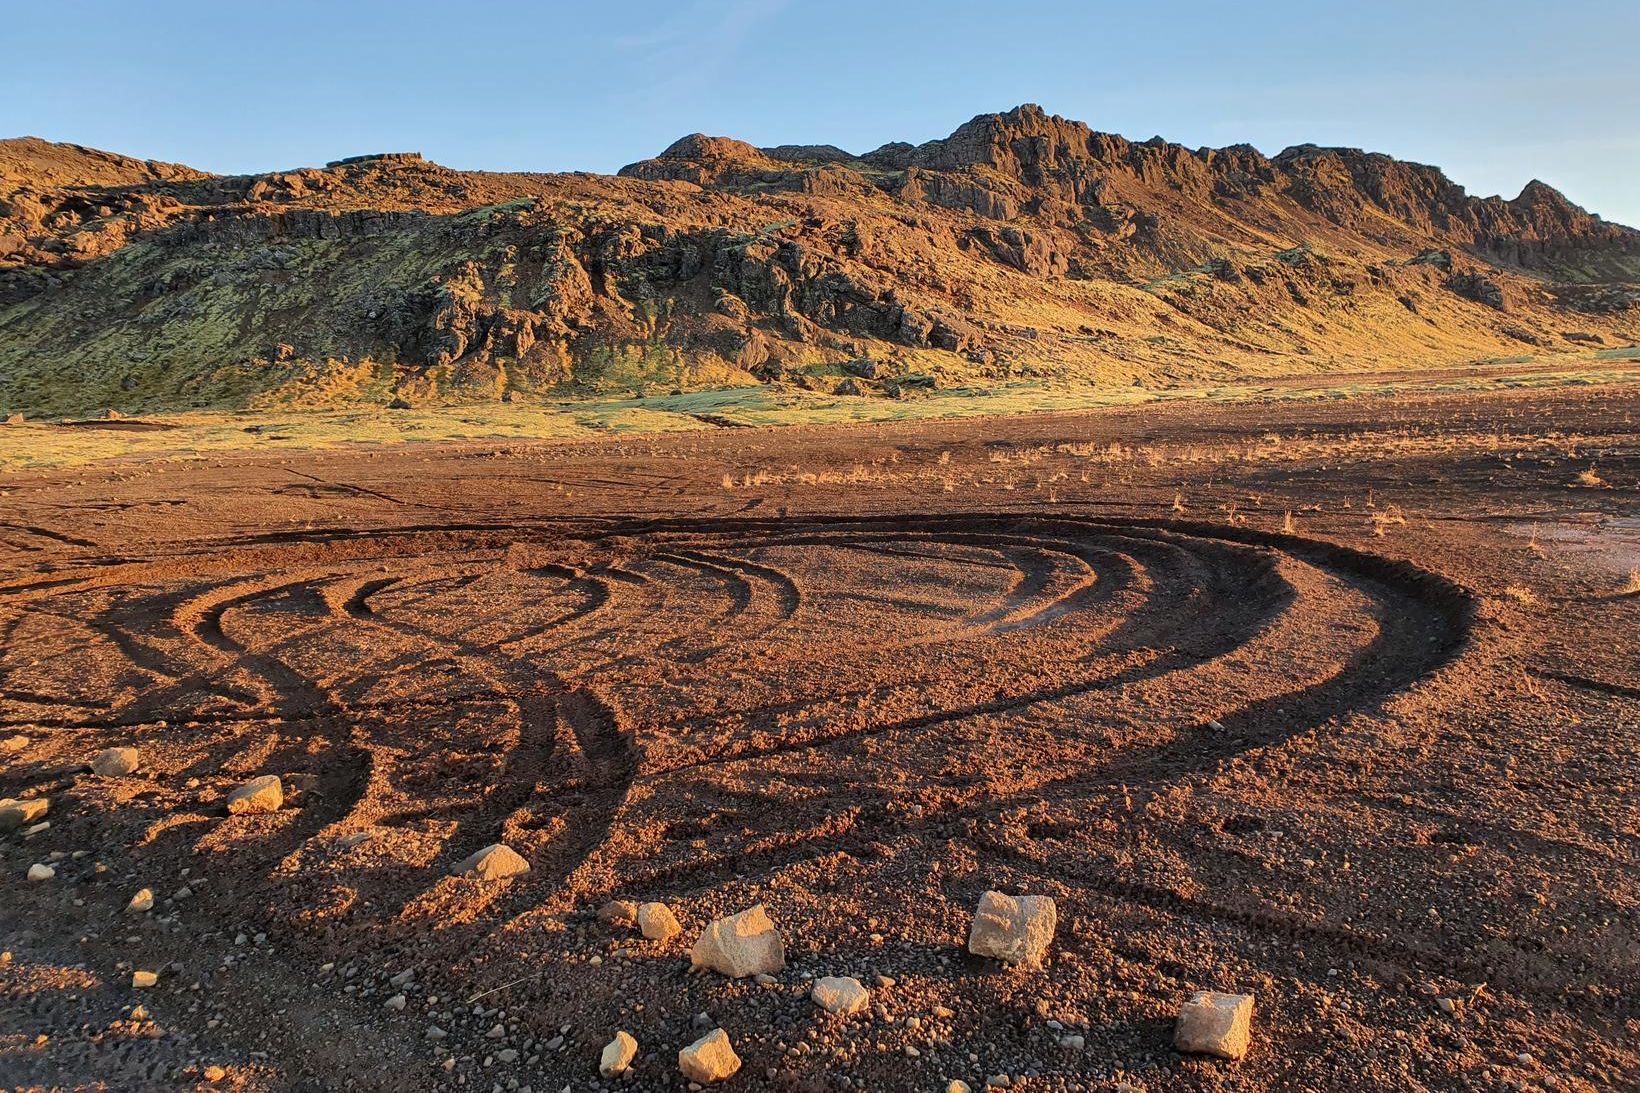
<point x="192" y="435"/>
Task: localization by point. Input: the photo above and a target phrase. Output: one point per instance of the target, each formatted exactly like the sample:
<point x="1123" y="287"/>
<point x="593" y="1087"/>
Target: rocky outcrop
<point x="1480" y="288"/>
<point x="1027" y="251"/>
<point x="1022" y="244"/>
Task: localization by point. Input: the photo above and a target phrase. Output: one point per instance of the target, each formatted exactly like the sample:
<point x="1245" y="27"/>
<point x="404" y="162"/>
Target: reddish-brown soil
<point x="1370" y="765"/>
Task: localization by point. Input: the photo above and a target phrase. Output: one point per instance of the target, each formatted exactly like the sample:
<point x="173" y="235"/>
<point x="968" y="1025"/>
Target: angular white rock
<point x="1215" y="1024"/>
<point x="618" y="1055"/>
<point x="709" y="1059"/>
<point x="497" y="861"/>
<point x="39" y="872"/>
<point x="143" y="980"/>
<point x="264" y="794"/>
<point x="116" y="762"/>
<point x="840" y="994"/>
<point x="17" y="814"/>
<point x="142" y="902"/>
<point x="657" y="922"/>
<point x="1013" y="929"/>
<point x="740" y="945"/>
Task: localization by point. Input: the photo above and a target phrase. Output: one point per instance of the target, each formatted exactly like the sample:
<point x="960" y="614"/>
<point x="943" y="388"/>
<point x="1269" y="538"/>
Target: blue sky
<point x="1495" y="92"/>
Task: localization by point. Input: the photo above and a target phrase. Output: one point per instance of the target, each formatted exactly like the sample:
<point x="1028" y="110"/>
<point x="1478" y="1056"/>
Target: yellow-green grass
<point x="193" y="435"/>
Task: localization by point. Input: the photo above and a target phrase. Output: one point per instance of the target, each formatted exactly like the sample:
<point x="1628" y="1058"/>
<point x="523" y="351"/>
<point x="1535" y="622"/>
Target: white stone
<point x="618" y="1055"/>
<point x="116" y="762"/>
<point x="657" y="922"/>
<point x="497" y="861"/>
<point x="11" y="745"/>
<point x="39" y="872"/>
<point x="957" y="1085"/>
<point x="1215" y="1024"/>
<point x="396" y="1003"/>
<point x="264" y="794"/>
<point x="840" y="994"/>
<point x="143" y="980"/>
<point x="740" y="945"/>
<point x="142" y="902"/>
<point x="709" y="1059"/>
<point x="1013" y="929"/>
<point x="16" y="814"/>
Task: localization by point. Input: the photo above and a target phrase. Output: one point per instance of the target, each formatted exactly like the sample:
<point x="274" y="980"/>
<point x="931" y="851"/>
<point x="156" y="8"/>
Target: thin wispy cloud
<point x="696" y="39"/>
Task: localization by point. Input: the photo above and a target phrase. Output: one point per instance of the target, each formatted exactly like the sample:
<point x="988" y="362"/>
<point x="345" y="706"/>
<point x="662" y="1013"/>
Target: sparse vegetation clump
<point x="1384" y="519"/>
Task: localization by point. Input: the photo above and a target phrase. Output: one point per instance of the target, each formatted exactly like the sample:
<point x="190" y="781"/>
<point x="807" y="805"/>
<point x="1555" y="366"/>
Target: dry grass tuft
<point x="1521" y="595"/>
<point x="1591" y="479"/>
<point x="1386" y="518"/>
<point x="1632" y="587"/>
<point x="1287" y="525"/>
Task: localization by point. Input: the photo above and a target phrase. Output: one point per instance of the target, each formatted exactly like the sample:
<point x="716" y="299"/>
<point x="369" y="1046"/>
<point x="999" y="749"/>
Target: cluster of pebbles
<point x="1014" y="930"/>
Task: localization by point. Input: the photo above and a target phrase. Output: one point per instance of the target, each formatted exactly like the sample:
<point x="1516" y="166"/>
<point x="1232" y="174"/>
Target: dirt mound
<point x="1022" y="247"/>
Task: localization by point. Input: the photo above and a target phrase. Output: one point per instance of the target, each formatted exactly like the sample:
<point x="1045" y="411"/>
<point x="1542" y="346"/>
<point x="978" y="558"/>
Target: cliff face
<point x="1022" y="245"/>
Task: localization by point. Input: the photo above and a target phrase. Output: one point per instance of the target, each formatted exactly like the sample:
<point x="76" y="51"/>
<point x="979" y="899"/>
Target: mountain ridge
<point x="1021" y="246"/>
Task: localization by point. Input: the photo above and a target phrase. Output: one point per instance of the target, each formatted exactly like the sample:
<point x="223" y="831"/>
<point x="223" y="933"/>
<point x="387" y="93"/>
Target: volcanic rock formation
<point x="1024" y="245"/>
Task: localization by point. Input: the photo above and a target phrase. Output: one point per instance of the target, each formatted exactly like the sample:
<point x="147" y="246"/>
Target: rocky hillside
<point x="1023" y="245"/>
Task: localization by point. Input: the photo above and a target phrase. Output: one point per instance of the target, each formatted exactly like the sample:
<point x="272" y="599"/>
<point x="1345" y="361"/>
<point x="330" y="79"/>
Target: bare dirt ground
<point x="1334" y="703"/>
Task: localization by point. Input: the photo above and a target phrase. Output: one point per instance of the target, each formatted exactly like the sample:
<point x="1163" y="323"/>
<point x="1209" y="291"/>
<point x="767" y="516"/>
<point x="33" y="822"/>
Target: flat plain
<point x="1332" y="702"/>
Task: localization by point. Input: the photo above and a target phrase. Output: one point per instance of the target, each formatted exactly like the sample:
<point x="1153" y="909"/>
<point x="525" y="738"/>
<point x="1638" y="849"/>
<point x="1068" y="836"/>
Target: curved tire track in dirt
<point x="833" y="653"/>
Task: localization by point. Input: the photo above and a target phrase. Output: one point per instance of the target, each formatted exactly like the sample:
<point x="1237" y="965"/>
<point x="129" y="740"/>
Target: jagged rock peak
<point x="1537" y="192"/>
<point x="988" y="140"/>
